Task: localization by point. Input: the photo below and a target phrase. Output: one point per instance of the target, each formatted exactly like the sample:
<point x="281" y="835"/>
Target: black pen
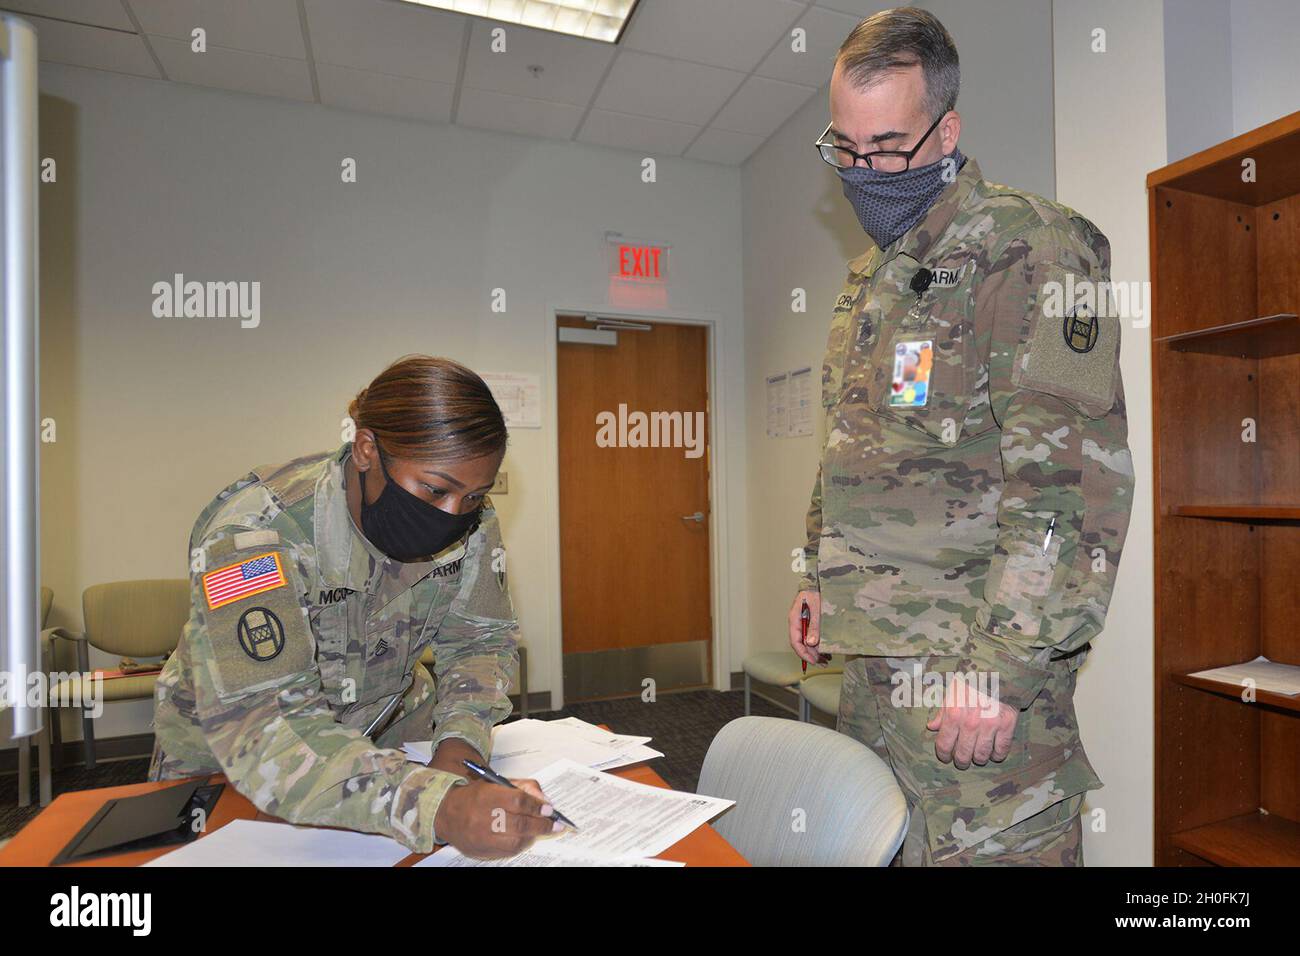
<point x="491" y="776"/>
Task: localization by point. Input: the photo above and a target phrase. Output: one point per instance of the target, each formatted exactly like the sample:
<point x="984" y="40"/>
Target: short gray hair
<point x="893" y="40"/>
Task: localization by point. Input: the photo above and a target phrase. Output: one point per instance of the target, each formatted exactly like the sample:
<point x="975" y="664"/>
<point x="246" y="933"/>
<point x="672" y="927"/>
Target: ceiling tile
<point x="735" y="34"/>
<point x="97" y="13"/>
<point x="385" y="37"/>
<point x="824" y="30"/>
<point x="620" y="130"/>
<point x="761" y="105"/>
<point x="571" y="67"/>
<point x="349" y="89"/>
<point x="517" y="114"/>
<point x="257" y="26"/>
<point x="666" y="89"/>
<point x="858" y="8"/>
<point x="234" y="70"/>
<point x="99" y="49"/>
<point x="724" y="146"/>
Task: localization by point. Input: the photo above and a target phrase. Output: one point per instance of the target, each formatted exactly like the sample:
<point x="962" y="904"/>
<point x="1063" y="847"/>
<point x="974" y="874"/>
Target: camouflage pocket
<point x="1026" y="577"/>
<point x="963" y="808"/>
<point x="950" y="382"/>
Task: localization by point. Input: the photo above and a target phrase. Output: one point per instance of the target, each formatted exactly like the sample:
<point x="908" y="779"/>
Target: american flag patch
<point x="262" y="573"/>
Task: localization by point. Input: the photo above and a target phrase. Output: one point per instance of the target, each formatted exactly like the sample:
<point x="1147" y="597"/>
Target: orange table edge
<point x="40" y="841"/>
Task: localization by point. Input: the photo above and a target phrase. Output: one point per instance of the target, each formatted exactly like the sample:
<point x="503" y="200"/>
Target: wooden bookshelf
<point x="1225" y="271"/>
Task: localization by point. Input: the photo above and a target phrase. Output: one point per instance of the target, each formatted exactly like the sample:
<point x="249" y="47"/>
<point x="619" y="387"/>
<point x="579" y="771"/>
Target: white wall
<point x="1230" y="66"/>
<point x="1265" y="68"/>
<point x="1110" y="132"/>
<point x="155" y="416"/>
<point x="1198" y="75"/>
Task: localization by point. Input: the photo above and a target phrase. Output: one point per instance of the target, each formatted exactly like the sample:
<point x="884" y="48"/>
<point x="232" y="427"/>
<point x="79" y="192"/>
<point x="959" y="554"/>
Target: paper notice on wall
<point x="801" y="402"/>
<point x="778" y="398"/>
<point x="519" y="395"/>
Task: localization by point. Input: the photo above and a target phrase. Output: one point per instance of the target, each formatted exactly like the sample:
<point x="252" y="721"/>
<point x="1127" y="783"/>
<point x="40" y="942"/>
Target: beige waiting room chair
<point x="820" y="691"/>
<point x="805" y="795"/>
<point x="136" y="619"/>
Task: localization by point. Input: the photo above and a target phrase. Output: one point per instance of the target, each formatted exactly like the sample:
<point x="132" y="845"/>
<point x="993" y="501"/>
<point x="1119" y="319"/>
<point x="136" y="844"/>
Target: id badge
<point x="913" y="363"/>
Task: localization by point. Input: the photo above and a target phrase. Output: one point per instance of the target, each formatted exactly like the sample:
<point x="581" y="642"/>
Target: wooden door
<point x="634" y="518"/>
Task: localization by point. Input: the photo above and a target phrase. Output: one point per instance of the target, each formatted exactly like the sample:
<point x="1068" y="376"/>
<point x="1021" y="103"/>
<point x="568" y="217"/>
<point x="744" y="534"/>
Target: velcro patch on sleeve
<point x="259" y="634"/>
<point x="235" y="582"/>
<point x="1072" y="352"/>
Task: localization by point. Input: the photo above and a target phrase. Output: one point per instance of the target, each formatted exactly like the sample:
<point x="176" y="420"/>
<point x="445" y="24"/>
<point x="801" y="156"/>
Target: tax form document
<point x="539" y="854"/>
<point x="619" y="818"/>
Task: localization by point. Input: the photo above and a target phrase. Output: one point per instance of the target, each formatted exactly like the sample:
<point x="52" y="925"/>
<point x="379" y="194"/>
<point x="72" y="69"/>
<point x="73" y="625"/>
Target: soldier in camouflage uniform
<point x="298" y="673"/>
<point x="974" y="487"/>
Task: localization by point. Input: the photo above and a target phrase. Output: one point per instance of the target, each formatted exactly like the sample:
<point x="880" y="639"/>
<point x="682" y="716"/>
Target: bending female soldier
<point x="316" y="587"/>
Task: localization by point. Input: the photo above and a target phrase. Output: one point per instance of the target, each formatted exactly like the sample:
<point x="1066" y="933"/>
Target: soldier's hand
<point x="487" y="820"/>
<point x="972" y="727"/>
<point x="807" y="651"/>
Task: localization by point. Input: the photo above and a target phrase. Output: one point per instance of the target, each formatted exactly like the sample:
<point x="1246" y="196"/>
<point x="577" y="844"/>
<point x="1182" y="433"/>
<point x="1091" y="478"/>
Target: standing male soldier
<point x="975" y="485"/>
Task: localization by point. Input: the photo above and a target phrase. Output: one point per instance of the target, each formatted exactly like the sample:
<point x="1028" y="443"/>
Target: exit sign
<point x="632" y="260"/>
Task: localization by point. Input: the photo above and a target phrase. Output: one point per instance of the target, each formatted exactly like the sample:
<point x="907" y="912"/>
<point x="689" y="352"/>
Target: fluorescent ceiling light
<point x="593" y="19"/>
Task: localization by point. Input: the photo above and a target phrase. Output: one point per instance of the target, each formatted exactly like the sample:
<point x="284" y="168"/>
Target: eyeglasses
<point x="883" y="160"/>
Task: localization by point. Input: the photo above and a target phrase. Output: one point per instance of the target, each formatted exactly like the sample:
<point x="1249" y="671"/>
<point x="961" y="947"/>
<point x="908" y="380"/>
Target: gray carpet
<point x="682" y="725"/>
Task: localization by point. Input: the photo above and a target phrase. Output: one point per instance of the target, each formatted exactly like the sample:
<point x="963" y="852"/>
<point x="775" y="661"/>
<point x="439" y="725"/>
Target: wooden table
<point x="41" y="840"/>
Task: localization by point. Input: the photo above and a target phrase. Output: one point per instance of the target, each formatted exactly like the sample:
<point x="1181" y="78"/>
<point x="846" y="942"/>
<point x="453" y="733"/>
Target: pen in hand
<point x="491" y="776"/>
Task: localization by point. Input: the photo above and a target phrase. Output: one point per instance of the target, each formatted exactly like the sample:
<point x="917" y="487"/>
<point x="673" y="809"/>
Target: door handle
<point x="698" y="517"/>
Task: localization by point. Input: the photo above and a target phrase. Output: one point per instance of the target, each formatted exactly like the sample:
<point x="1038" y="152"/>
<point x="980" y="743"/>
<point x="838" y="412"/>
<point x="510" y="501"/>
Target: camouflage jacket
<point x="963" y="422"/>
<point x="276" y="686"/>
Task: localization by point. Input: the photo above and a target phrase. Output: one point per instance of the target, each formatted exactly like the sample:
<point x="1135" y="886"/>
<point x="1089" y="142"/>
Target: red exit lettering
<point x="639" y="262"/>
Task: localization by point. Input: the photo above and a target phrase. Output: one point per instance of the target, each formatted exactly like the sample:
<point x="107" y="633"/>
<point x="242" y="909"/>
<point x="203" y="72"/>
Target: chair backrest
<point x="805" y="795"/>
<point x="47" y="601"/>
<point x="136" y="618"/>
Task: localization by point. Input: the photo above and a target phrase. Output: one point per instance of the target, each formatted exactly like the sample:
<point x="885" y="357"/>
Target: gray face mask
<point x="889" y="204"/>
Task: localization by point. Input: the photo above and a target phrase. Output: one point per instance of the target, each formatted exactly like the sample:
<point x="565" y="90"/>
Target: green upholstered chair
<point x="136" y="619"/>
<point x="820" y="691"/>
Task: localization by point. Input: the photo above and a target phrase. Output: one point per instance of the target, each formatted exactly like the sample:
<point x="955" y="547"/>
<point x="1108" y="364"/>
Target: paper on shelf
<point x="1266" y="675"/>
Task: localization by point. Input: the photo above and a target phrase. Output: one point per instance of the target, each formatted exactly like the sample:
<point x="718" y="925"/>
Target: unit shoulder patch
<point x="255" y="622"/>
<point x="1072" y="351"/>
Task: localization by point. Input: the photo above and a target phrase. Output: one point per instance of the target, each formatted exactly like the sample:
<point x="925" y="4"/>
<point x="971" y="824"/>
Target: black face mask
<point x="406" y="528"/>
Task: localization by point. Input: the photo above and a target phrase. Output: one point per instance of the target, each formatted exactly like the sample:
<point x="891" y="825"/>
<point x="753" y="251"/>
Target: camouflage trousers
<point x="1022" y="811"/>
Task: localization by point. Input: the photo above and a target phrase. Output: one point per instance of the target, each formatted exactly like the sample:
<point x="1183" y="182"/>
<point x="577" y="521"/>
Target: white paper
<point x="1267" y="675"/>
<point x="801" y="402"/>
<point x="541" y="853"/>
<point x="619" y="818"/>
<point x="520" y="396"/>
<point x="778" y="397"/>
<point x="261" y="843"/>
<point x="523" y="747"/>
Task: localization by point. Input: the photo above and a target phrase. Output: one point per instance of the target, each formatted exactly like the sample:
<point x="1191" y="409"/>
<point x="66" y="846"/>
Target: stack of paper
<point x="620" y="823"/>
<point x="522" y="748"/>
